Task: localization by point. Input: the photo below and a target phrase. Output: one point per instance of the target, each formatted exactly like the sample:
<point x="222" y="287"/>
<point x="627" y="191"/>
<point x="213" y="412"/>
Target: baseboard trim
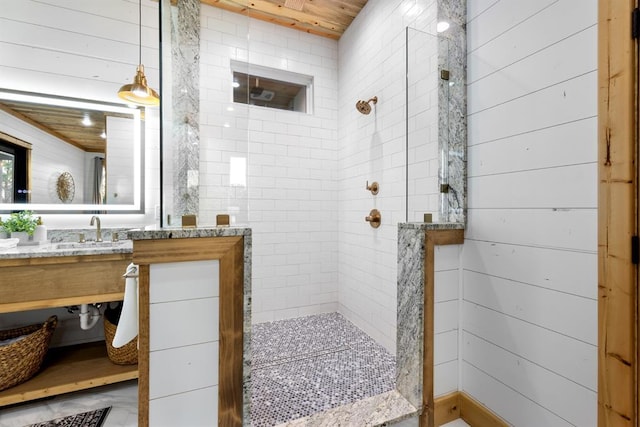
<point x="447" y="408"/>
<point x="460" y="405"/>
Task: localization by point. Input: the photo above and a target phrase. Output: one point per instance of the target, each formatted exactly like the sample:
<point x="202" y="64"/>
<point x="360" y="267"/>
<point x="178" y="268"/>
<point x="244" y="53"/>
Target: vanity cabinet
<point x="58" y="281"/>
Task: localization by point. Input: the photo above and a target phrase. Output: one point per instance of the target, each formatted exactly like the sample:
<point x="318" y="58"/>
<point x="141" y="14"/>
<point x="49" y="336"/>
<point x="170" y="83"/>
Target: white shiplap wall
<point x="183" y="343"/>
<point x="529" y="302"/>
<point x="446" y="319"/>
<point x="79" y="47"/>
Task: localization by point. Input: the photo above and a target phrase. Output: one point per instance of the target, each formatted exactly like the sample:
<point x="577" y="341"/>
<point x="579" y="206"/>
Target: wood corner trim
<point x="459" y="405"/>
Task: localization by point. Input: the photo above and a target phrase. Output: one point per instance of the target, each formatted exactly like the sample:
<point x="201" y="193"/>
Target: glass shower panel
<point x="204" y="133"/>
<point x="426" y="161"/>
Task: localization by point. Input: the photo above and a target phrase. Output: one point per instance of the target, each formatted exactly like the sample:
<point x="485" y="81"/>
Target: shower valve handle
<point x="374" y="218"/>
<point x="374" y="187"/>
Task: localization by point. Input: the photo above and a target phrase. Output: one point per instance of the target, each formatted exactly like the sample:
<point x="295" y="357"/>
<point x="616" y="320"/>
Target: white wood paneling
<point x="510" y="405"/>
<point x="165" y="277"/>
<point x="445" y="378"/>
<point x="557" y="311"/>
<point x="181" y="323"/>
<point x="88" y="17"/>
<point x="552" y="228"/>
<point x="573" y="187"/>
<point x="549" y="390"/>
<point x="196" y="408"/>
<point x="497" y="25"/>
<point x="76" y="46"/>
<point x="536" y="266"/>
<point x="523" y="77"/>
<point x="446" y="316"/>
<point x="183" y="343"/>
<point x="447" y="257"/>
<point x="445" y="347"/>
<point x="566" y="356"/>
<point x="179" y="370"/>
<point x="572" y="143"/>
<point x="446" y="285"/>
<point x="524" y="38"/>
<point x="529" y="260"/>
<point x="564" y="102"/>
<point x="478" y="7"/>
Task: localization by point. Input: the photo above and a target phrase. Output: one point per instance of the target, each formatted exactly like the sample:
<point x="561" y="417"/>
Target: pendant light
<point x="139" y="92"/>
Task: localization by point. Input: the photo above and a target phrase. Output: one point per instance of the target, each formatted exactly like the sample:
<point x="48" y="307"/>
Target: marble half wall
<point x="452" y="126"/>
<point x="412" y="286"/>
<point x="185" y="106"/>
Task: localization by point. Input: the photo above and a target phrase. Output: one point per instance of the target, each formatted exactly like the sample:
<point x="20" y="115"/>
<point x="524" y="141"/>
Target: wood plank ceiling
<point x="326" y="18"/>
<point x="64" y="123"/>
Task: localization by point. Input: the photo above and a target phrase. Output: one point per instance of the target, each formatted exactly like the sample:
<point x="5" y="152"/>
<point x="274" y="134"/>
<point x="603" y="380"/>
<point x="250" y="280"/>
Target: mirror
<point x="72" y="153"/>
<point x="54" y="51"/>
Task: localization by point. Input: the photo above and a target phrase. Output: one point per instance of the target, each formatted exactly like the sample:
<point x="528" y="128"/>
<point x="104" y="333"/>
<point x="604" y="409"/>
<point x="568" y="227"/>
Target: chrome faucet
<point x="98" y="229"/>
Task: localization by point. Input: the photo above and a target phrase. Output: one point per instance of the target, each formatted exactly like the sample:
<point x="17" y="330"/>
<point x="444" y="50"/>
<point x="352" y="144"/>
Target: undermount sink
<point x="89" y="245"/>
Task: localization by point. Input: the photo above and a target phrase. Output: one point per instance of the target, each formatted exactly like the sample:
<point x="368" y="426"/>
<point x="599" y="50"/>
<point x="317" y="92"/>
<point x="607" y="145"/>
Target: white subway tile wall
<point x="291" y="163"/>
<point x="529" y="300"/>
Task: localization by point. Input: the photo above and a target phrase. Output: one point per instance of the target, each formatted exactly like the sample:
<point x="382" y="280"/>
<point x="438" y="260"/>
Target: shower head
<point x="364" y="106"/>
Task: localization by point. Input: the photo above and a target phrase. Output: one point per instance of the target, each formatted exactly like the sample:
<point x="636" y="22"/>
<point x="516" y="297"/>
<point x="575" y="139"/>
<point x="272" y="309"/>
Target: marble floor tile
<point x="122" y="397"/>
<point x="457" y="423"/>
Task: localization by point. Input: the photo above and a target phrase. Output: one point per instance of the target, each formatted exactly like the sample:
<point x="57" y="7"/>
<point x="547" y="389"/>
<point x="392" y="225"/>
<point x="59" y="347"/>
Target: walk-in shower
<point x="318" y="269"/>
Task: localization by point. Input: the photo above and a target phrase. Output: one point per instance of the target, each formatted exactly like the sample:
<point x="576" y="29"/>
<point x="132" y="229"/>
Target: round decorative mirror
<point x="65" y="187"/>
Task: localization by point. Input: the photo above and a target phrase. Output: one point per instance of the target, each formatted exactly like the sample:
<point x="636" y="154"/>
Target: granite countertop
<point x="186" y="233"/>
<point x="59" y="249"/>
<point x="431" y="226"/>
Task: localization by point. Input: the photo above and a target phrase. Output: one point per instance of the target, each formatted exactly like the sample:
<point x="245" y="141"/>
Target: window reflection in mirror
<point x="7" y="177"/>
<point x="97" y="146"/>
<point x="14" y="170"/>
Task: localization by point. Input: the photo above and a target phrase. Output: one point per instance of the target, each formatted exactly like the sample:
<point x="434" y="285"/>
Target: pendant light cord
<point x="139" y="32"/>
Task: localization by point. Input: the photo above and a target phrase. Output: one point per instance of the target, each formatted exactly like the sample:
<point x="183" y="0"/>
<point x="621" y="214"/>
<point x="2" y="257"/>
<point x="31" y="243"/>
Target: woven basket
<point x="125" y="355"/>
<point x="21" y="360"/>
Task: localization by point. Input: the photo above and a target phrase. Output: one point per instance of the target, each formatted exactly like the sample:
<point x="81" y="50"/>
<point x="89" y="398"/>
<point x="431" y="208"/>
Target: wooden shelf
<point x="68" y="369"/>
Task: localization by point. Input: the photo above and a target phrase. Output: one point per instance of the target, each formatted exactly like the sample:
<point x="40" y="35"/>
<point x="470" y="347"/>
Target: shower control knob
<point x="374" y="218"/>
<point x="374" y="187"/>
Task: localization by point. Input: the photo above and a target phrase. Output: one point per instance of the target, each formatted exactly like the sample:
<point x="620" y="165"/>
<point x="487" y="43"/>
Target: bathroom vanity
<point x="194" y="319"/>
<point x="50" y="276"/>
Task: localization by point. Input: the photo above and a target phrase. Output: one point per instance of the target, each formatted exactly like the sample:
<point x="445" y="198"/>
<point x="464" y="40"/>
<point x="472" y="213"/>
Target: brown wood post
<point x="617" y="215"/>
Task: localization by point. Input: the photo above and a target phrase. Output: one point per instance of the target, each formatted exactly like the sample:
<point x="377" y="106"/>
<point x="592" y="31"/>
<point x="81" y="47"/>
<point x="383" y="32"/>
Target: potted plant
<point x="20" y="225"/>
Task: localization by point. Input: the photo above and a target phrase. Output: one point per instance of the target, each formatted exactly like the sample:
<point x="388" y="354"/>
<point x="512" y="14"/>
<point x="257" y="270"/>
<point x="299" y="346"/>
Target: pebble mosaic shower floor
<point x="311" y="364"/>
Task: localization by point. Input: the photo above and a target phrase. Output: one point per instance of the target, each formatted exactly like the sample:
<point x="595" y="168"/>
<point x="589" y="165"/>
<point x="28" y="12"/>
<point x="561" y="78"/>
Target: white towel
<point x="127" y="328"/>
